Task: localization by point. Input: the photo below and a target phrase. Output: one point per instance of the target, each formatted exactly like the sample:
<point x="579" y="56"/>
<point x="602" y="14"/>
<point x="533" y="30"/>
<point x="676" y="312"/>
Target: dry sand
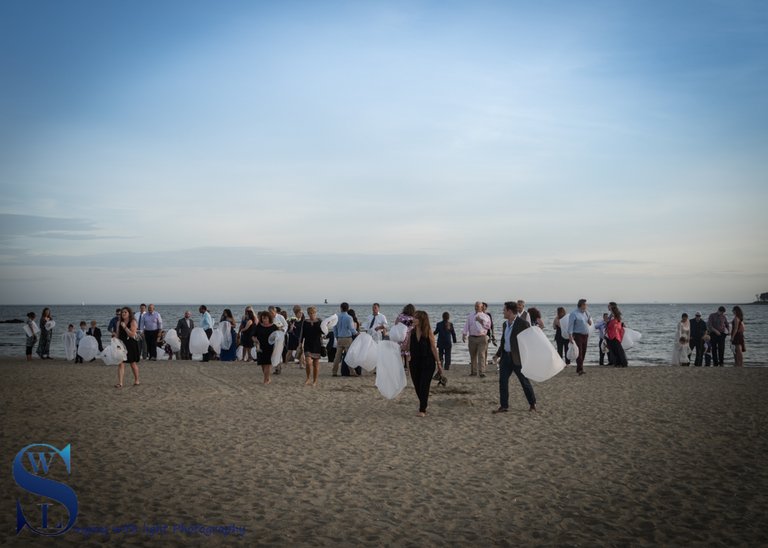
<point x="638" y="456"/>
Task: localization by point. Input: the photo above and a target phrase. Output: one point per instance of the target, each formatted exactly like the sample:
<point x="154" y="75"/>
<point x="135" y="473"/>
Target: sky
<point x="448" y="151"/>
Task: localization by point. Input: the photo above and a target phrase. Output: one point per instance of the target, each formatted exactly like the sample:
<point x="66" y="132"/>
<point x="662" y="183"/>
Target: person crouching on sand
<point x="127" y="331"/>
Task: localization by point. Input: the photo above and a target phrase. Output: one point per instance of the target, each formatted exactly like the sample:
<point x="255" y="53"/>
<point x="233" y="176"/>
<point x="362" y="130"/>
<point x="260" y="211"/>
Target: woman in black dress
<point x="247" y="329"/>
<point x="44" y="347"/>
<point x="312" y="341"/>
<point x="424" y="358"/>
<point x="263" y="330"/>
<point x="126" y="332"/>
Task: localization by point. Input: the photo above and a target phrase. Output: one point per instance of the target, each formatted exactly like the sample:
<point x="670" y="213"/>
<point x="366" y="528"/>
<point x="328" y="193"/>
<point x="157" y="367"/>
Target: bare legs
<point x="314" y="365"/>
<point x="121" y="374"/>
<point x="267" y="370"/>
<point x="738" y="357"/>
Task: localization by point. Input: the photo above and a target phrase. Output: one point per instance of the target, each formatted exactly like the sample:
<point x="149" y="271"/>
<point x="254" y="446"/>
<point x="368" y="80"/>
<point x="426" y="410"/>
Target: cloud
<point x="13" y="225"/>
<point x="255" y="258"/>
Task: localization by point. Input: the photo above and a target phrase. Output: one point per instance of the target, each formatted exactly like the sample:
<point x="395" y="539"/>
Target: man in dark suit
<point x="184" y="329"/>
<point x="509" y="352"/>
<point x="95" y="332"/>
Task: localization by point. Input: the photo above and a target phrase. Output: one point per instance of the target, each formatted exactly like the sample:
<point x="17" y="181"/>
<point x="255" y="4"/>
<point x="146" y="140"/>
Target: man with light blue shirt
<point x="153" y="323"/>
<point x="206" y="322"/>
<point x="344" y="330"/>
<point x="579" y="322"/>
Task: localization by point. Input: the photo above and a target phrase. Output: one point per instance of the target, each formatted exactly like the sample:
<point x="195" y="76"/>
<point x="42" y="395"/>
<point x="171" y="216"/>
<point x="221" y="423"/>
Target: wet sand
<point x="638" y="456"/>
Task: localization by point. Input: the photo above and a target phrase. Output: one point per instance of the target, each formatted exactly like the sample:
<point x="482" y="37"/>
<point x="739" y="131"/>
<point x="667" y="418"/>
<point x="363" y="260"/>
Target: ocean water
<point x="656" y="322"/>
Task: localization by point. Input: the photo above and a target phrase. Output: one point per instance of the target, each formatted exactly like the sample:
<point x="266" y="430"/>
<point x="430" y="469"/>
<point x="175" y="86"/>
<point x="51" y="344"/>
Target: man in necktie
<point x="509" y="353"/>
<point x="184" y="329"/>
<point x="376" y="324"/>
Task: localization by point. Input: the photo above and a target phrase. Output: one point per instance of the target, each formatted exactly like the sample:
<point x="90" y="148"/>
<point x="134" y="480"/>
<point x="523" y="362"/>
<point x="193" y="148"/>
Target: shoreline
<point x="619" y="456"/>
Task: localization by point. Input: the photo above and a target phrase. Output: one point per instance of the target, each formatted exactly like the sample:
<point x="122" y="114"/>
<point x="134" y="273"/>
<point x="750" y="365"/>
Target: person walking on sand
<point x="476" y="329"/>
<point x="127" y="332"/>
<point x="46" y="334"/>
<point x="312" y="342"/>
<point x="579" y="322"/>
<point x="424" y="358"/>
<point x="698" y="330"/>
<point x="560" y="340"/>
<point x="263" y="330"/>
<point x="717" y="325"/>
<point x="406" y="318"/>
<point x="509" y="356"/>
<point x="446" y="337"/>
<point x="737" y="336"/>
<point x="344" y="331"/>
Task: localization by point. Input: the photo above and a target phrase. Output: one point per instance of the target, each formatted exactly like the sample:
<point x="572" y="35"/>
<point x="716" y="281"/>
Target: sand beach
<point x="203" y="454"/>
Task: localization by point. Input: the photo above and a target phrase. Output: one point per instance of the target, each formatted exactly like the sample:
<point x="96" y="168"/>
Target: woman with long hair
<point x="126" y="332"/>
<point x="737" y="337"/>
<point x="312" y="342"/>
<point x="562" y="342"/>
<point x="46" y="334"/>
<point x="247" y="329"/>
<point x="423" y="358"/>
<point x="263" y="330"/>
<point x="614" y="333"/>
<point x="406" y="318"/>
<point x="356" y="371"/>
<point x="228" y="321"/>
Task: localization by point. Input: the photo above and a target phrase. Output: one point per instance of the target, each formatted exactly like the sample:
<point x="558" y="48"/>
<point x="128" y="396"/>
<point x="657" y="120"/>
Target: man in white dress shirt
<point x="376" y="324"/>
<point x="476" y="328"/>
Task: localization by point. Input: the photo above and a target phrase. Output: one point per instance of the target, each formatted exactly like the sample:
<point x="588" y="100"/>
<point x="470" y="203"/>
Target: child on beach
<point x="69" y="343"/>
<point x="681" y="355"/>
<point x="31" y="330"/>
<point x="707" y="350"/>
<point x="446" y="336"/>
<point x="79" y="334"/>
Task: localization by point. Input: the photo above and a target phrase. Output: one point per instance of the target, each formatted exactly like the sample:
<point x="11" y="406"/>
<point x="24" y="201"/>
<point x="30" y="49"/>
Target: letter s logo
<point x="44" y="487"/>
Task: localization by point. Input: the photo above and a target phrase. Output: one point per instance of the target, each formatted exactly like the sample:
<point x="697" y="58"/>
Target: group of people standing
<point x="425" y="351"/>
<point x="707" y="339"/>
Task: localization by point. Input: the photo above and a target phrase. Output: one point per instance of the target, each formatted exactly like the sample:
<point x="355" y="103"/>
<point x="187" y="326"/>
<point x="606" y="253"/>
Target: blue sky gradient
<point x="392" y="151"/>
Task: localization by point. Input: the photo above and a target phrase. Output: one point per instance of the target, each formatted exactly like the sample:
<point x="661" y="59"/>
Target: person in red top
<point x="614" y="333"/>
